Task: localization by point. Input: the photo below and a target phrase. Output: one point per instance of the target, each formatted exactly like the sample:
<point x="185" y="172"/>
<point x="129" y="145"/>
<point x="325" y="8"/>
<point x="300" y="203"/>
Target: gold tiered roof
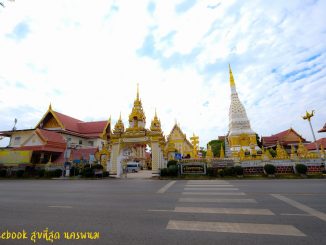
<point x="156" y="124"/>
<point x="119" y="126"/>
<point x="137" y="110"/>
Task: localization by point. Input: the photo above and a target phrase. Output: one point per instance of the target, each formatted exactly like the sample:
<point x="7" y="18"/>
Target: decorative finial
<point x="50" y="106"/>
<point x="308" y="115"/>
<point x="155" y="112"/>
<point x="120" y="116"/>
<point x="232" y="83"/>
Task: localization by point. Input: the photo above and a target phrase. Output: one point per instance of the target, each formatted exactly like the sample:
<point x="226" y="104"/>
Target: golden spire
<point x="156" y="123"/>
<point x="137" y="117"/>
<point x="119" y="126"/>
<point x="137" y="91"/>
<point x="50" y="107"/>
<point x="232" y="83"/>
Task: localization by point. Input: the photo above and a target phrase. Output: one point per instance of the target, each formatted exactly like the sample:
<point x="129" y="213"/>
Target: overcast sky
<point x="86" y="58"/>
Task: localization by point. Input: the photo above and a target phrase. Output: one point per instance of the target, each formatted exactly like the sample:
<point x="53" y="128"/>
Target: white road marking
<point x="301" y="206"/>
<point x="297" y="214"/>
<point x="207" y="182"/>
<point x="248" y="228"/>
<point x="246" y="211"/>
<point x="217" y="200"/>
<point x="210" y="189"/>
<point x="166" y="187"/>
<point x="215" y="193"/>
<point x="58" y="206"/>
<point x="208" y="185"/>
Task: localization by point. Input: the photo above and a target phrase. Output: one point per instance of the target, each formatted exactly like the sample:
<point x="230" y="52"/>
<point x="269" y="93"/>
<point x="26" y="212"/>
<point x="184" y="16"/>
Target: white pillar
<point x="155" y="158"/>
<point x="114" y="157"/>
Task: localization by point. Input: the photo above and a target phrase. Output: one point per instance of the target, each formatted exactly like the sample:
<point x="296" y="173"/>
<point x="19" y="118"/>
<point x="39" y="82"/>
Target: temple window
<point x="90" y="143"/>
<point x="17" y="140"/>
<point x="80" y="142"/>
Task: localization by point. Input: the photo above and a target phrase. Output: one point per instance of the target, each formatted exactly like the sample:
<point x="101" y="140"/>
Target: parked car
<point x="133" y="167"/>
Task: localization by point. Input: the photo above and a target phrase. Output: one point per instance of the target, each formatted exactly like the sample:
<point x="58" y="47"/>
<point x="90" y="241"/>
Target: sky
<point x="86" y="58"/>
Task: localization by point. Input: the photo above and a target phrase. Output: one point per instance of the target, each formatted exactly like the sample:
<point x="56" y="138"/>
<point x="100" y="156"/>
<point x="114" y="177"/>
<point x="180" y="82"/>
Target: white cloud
<point x="84" y="58"/>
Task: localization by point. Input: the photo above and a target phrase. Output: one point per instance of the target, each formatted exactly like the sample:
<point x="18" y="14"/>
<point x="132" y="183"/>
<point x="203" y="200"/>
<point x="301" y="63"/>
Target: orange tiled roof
<point x="280" y="137"/>
<point x="81" y="127"/>
<point x="312" y="145"/>
<point x="323" y="129"/>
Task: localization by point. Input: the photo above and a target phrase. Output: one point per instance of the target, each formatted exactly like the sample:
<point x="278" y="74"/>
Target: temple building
<point x="240" y="135"/>
<point x="177" y="142"/>
<point x="286" y="139"/>
<point x="129" y="145"/>
<point x="56" y="138"/>
<point x="322" y="130"/>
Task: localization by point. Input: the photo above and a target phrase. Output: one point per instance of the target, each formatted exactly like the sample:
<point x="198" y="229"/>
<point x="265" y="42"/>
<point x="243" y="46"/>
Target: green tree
<point x="216" y="146"/>
<point x="259" y="143"/>
<point x="273" y="152"/>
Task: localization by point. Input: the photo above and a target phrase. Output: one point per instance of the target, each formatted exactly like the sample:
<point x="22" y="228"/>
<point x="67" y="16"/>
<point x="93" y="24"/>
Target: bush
<point x="229" y="171"/>
<point x="97" y="166"/>
<point x="41" y="173"/>
<point x="172" y="170"/>
<point x="210" y="172"/>
<point x="164" y="172"/>
<point x="301" y="168"/>
<point x="57" y="173"/>
<point x="20" y="173"/>
<point x="106" y="174"/>
<point x="3" y="172"/>
<point x="238" y="170"/>
<point x="53" y="173"/>
<point x="221" y="172"/>
<point x="172" y="163"/>
<point x="87" y="172"/>
<point x="74" y="171"/>
<point x="270" y="169"/>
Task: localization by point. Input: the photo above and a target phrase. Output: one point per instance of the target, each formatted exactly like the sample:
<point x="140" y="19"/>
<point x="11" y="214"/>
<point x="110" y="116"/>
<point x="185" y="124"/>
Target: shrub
<point x="301" y="168"/>
<point x="221" y="172"/>
<point x="97" y="166"/>
<point x="172" y="163"/>
<point x="210" y="172"/>
<point x="164" y="172"/>
<point x="57" y="173"/>
<point x="106" y="174"/>
<point x="172" y="170"/>
<point x="74" y="171"/>
<point x="238" y="170"/>
<point x="3" y="172"/>
<point x="270" y="169"/>
<point x="229" y="171"/>
<point x="87" y="172"/>
<point x="41" y="173"/>
<point x="20" y="173"/>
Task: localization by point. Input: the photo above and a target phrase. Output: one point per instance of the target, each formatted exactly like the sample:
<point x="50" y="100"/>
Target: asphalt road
<point x="145" y="211"/>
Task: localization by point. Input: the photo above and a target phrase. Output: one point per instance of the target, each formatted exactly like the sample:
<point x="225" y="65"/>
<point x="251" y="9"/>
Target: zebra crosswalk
<point x="197" y="194"/>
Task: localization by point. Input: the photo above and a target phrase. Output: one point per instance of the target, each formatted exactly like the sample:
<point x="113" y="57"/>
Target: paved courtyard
<point x="146" y="211"/>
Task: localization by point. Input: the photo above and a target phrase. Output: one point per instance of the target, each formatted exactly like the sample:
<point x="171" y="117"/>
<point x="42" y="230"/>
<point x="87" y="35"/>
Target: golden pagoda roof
<point x="119" y="126"/>
<point x="137" y="110"/>
<point x="156" y="123"/>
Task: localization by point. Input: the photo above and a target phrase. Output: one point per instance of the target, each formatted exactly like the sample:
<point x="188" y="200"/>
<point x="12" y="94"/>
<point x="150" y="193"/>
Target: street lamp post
<point x="308" y="117"/>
